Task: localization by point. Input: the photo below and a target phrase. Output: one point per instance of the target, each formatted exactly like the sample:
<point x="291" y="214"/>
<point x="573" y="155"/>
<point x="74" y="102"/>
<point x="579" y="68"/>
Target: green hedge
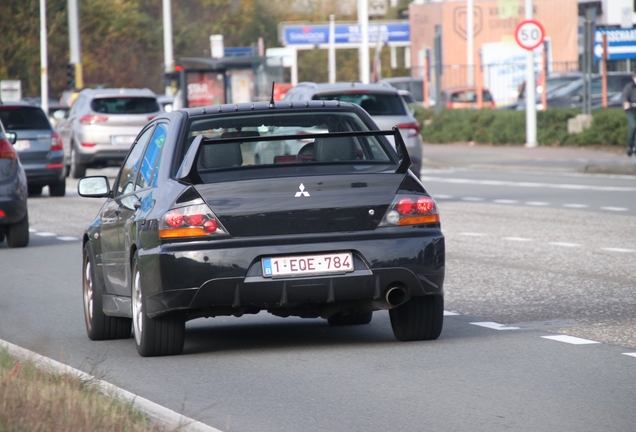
<point x="488" y="126"/>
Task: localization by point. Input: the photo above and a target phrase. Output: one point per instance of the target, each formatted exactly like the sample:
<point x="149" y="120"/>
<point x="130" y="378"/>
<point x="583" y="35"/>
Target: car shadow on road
<point x="265" y="332"/>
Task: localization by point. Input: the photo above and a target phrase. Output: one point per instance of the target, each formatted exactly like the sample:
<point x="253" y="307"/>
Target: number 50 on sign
<point x="529" y="34"/>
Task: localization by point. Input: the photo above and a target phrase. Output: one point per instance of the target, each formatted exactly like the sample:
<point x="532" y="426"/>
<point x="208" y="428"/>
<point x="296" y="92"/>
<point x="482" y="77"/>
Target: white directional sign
<point x="621" y="43"/>
<point x="529" y="34"/>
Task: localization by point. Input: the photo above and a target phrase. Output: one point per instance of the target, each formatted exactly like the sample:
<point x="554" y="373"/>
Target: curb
<point x="158" y="413"/>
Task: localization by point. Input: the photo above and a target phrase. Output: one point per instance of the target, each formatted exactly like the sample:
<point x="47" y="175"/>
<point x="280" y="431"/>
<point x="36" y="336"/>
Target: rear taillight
<point x="411" y="210"/>
<point x="413" y="129"/>
<point x="151" y="117"/>
<point x="2" y="214"/>
<point x="190" y="221"/>
<point x="92" y="119"/>
<point x="6" y="150"/>
<point x="56" y="142"/>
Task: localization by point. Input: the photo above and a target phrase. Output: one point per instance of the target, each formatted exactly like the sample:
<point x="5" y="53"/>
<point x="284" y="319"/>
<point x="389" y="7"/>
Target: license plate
<point x="22" y="145"/>
<point x="307" y="264"/>
<point x="122" y="139"/>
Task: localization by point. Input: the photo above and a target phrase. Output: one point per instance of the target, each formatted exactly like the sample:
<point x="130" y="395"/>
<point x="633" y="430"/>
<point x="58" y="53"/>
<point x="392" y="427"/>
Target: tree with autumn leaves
<point x="122" y="40"/>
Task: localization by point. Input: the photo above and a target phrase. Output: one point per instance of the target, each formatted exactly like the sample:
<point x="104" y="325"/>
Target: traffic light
<point x="70" y="75"/>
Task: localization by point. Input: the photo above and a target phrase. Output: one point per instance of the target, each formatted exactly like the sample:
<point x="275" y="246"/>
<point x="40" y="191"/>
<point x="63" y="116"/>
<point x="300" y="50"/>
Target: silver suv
<point x="382" y="102"/>
<point x="102" y="124"/>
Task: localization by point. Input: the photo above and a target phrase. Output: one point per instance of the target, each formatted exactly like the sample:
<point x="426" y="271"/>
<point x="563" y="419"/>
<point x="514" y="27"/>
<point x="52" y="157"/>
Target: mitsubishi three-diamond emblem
<point x="302" y="191"/>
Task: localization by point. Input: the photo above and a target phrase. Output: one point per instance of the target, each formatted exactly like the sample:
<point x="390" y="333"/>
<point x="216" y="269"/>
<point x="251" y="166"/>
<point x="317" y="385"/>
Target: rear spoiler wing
<point x="186" y="171"/>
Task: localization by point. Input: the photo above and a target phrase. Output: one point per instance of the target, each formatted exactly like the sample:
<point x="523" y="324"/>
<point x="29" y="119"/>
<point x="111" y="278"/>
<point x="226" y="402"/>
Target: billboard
<point x="205" y="88"/>
<point x="345" y="34"/>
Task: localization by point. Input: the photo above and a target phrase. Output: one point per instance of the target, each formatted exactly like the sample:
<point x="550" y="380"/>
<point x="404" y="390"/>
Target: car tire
<point x="159" y="336"/>
<point x="78" y="169"/>
<point x="99" y="326"/>
<point x="2" y="237"/>
<point x="18" y="233"/>
<point x="35" y="190"/>
<point x="350" y="318"/>
<point x="420" y="318"/>
<point x="58" y="189"/>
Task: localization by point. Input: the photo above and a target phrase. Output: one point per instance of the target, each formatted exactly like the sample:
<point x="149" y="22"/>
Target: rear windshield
<point x="22" y="118"/>
<point x="296" y="150"/>
<point x="125" y="105"/>
<point x="374" y="104"/>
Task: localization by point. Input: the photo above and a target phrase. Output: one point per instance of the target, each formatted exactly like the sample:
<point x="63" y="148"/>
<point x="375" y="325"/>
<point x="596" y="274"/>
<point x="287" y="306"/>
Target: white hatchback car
<point x="102" y="124"/>
<point x="383" y="103"/>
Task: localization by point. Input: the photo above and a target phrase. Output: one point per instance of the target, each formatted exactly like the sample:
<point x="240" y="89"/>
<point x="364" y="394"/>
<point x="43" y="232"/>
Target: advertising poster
<point x="205" y="88"/>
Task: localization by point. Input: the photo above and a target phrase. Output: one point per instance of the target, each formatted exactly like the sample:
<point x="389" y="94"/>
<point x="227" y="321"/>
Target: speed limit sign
<point x="529" y="34"/>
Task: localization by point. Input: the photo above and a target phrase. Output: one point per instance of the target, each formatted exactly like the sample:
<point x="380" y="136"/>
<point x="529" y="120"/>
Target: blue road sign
<point x="344" y="34"/>
<point x="621" y="43"/>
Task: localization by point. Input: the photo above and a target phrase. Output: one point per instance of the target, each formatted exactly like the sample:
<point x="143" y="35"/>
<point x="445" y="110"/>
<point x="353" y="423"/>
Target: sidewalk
<point x="568" y="159"/>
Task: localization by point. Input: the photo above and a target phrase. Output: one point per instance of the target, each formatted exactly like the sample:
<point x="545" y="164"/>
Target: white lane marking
<point x="450" y="313"/>
<point x="31" y="230"/>
<point x="570" y="339"/>
<point x="519" y="239"/>
<point x="575" y="206"/>
<point x="618" y="250"/>
<point x="616" y="209"/>
<point x="505" y="201"/>
<point x="475" y="199"/>
<point x="537" y="203"/>
<point x="67" y="238"/>
<point x="494" y="325"/>
<point x="443" y="196"/>
<point x="564" y="244"/>
<point x="529" y="184"/>
<point x="472" y="234"/>
<point x="45" y="234"/>
<point x="630" y="354"/>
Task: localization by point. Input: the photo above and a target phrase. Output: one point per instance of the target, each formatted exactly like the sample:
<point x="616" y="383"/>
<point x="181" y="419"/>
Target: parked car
<point x="571" y="95"/>
<point x="14" y="217"/>
<point x="267" y="152"/>
<point x="337" y="231"/>
<point x="54" y="106"/>
<point x="413" y="85"/>
<point x="382" y="102"/>
<point x="102" y="124"/>
<point x="38" y="146"/>
<point x="466" y="97"/>
<point x="553" y="82"/>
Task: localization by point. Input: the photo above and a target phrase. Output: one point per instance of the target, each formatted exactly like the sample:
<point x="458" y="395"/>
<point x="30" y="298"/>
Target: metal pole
<point x="363" y="21"/>
<point x="531" y="105"/>
<point x="470" y="46"/>
<point x="44" y="64"/>
<point x="294" y="67"/>
<point x="74" y="42"/>
<point x="167" y="42"/>
<point x="332" y="48"/>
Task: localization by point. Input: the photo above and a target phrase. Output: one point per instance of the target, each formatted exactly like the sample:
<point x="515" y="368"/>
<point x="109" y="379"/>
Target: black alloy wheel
<point x="159" y="336"/>
<point x="99" y="326"/>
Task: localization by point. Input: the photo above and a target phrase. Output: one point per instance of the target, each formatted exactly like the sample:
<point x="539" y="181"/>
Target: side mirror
<point x="94" y="187"/>
<point x="11" y="137"/>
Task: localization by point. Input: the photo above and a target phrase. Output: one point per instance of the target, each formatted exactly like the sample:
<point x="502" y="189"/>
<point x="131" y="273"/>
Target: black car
<point x="571" y="95"/>
<point x="193" y="227"/>
<point x="38" y="145"/>
<point x="14" y="218"/>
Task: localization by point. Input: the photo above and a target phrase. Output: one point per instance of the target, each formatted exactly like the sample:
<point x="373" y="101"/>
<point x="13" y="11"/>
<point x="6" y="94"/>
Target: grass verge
<point x="35" y="400"/>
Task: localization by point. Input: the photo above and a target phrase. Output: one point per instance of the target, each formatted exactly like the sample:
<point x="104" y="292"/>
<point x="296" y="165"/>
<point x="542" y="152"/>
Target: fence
<point x="503" y="80"/>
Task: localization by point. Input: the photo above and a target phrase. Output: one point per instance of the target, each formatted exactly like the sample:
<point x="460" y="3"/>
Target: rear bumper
<point x="102" y="155"/>
<point x="208" y="279"/>
<point x="41" y="175"/>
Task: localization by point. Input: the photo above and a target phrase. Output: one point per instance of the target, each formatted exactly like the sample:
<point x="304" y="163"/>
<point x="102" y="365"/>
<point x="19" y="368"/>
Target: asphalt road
<point x="540" y="332"/>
